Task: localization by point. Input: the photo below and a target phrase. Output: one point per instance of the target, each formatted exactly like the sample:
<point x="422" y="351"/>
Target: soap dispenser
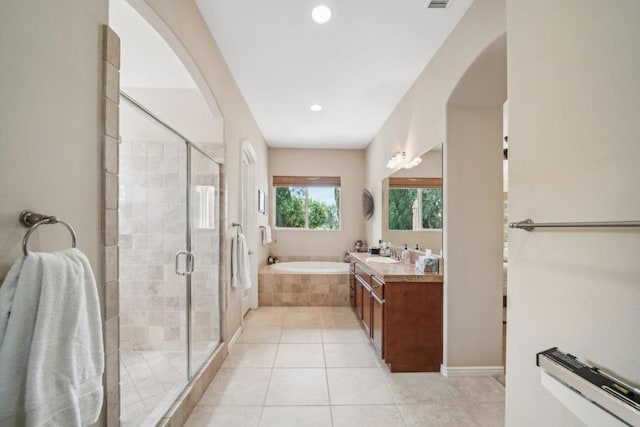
<point x="406" y="255"/>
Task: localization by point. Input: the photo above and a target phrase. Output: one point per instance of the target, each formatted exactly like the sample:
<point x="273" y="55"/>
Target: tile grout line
<point x="273" y="363"/>
<point x="326" y="376"/>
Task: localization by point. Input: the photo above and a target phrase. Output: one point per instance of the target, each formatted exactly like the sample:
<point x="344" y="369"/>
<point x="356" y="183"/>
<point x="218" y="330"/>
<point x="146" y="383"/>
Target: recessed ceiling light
<point x="321" y="14"/>
<point x="316" y="107"/>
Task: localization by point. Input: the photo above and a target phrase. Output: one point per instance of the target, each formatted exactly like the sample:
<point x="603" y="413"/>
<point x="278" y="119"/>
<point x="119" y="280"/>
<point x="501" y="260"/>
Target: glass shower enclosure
<point x="169" y="225"/>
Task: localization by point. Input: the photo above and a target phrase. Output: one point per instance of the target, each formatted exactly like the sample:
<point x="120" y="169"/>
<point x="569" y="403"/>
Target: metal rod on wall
<point x="529" y="224"/>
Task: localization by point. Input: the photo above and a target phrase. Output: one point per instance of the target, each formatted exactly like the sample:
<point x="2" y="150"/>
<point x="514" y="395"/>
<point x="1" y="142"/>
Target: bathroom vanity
<point x="401" y="311"/>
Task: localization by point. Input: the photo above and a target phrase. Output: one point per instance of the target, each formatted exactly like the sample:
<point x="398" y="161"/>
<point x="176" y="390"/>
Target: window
<point x="415" y="203"/>
<point x="204" y="207"/>
<point x="311" y="203"/>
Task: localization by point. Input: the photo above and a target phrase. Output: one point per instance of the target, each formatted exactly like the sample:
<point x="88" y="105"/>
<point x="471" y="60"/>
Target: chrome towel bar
<point x="32" y="220"/>
<point x="529" y="224"/>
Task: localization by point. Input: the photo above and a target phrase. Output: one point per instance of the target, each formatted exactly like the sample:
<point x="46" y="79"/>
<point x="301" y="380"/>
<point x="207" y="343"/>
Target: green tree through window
<point x="415" y="209"/>
<point x="315" y="208"/>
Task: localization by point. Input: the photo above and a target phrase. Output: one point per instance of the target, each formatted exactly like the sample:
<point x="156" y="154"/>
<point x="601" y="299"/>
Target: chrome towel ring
<point x="32" y="220"/>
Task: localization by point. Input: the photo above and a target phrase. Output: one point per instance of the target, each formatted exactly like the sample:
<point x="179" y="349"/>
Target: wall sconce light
<point x="397" y="158"/>
<point x="413" y="163"/>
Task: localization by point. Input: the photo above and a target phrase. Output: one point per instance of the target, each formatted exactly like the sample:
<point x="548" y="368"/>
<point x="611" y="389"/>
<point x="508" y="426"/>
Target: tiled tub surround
<point x="292" y="289"/>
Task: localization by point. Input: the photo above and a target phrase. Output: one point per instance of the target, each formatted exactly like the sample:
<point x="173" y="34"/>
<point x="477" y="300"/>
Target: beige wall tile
<point x="111" y="85"/>
<point x="112" y="371"/>
<point x="111" y="118"/>
<point x="111" y="263"/>
<point x="111" y="302"/>
<point x="110" y="154"/>
<point x="111" y="47"/>
<point x="113" y="407"/>
<point x="110" y="191"/>
<point x="111" y="336"/>
<point x="110" y="227"/>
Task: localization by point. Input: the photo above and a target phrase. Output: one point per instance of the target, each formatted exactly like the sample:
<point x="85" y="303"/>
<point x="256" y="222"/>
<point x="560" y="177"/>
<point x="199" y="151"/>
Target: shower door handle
<point x="189" y="260"/>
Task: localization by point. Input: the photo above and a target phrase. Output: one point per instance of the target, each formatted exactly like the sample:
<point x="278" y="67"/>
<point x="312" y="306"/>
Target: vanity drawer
<point x="364" y="274"/>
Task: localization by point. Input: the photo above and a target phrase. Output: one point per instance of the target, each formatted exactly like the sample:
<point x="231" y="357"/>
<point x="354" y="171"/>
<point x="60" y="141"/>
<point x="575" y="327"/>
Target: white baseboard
<point x="471" y="371"/>
<point x="235" y="337"/>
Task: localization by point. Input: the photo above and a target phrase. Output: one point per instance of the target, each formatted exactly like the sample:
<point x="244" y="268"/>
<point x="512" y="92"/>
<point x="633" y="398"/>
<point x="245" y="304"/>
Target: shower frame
<point x="189" y="258"/>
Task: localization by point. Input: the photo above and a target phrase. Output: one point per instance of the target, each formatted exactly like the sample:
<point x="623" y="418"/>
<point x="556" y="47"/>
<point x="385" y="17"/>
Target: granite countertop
<point x="394" y="272"/>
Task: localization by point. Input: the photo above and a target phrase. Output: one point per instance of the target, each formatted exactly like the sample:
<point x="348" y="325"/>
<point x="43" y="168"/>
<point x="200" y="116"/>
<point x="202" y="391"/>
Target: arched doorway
<point x="248" y="209"/>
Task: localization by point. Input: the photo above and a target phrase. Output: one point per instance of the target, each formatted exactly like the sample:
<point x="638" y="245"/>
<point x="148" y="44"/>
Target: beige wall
<point x="50" y="131"/>
<point x="418" y="122"/>
<point x="185" y="22"/>
<point x="473" y="236"/>
<point x="347" y="164"/>
<point x="574" y="99"/>
<point x="431" y="167"/>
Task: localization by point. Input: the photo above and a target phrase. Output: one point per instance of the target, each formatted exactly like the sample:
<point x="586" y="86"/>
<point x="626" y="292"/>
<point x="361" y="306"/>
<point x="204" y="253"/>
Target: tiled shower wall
<point x="152" y="229"/>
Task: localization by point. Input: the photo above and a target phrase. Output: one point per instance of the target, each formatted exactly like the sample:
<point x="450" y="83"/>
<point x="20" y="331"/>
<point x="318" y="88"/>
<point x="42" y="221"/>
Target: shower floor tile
<point x="149" y="383"/>
<point x="146" y="377"/>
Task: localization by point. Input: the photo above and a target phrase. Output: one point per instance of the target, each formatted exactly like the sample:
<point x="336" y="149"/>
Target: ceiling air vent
<point x="438" y="4"/>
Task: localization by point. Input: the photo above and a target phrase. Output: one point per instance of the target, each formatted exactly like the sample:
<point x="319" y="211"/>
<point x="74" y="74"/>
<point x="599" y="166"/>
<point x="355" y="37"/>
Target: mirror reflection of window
<point x="204" y="207"/>
<point x="415" y="208"/>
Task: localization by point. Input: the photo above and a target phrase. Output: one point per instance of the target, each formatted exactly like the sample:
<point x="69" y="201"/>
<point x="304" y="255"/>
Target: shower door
<point x="152" y="224"/>
<point x="204" y="245"/>
<point x="169" y="226"/>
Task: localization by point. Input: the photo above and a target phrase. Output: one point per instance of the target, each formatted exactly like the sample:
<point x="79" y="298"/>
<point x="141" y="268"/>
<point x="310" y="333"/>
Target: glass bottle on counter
<point x="406" y="255"/>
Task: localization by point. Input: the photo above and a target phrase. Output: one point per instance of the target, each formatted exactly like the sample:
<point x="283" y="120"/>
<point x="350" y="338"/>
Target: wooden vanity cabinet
<point x="413" y="326"/>
<point x="352" y="287"/>
<point x="363" y="291"/>
<point x="403" y="319"/>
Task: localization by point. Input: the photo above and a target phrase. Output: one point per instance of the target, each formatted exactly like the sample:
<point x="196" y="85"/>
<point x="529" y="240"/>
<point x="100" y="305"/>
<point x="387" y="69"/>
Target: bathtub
<point x="311" y="267"/>
<point x="304" y="283"/>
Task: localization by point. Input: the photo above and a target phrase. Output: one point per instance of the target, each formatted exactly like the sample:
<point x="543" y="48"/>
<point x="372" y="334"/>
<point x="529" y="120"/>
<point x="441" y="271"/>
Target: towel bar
<point x="529" y="224"/>
<point x="32" y="220"/>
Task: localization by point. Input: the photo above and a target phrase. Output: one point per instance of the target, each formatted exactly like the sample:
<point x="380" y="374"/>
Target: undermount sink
<point x="382" y="260"/>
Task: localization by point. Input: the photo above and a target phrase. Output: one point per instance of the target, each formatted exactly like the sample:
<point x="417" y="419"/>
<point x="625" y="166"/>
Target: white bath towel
<point x="51" y="351"/>
<point x="240" y="267"/>
<point x="266" y="235"/>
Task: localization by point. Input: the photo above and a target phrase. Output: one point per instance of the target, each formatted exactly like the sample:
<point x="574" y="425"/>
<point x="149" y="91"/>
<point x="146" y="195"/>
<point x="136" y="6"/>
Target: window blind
<point x="415" y="182"/>
<point x="306" y="181"/>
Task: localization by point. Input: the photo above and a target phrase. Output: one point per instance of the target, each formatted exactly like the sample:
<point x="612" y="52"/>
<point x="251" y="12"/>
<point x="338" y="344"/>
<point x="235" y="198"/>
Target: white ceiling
<point x="357" y="66"/>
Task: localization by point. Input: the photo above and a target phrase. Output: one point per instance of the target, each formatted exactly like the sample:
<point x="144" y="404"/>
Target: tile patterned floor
<point x="314" y="366"/>
<point x="149" y="383"/>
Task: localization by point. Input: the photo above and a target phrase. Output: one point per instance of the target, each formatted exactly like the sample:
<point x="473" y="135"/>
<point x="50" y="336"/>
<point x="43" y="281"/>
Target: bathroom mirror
<point x="367" y="204"/>
<point x="412" y="204"/>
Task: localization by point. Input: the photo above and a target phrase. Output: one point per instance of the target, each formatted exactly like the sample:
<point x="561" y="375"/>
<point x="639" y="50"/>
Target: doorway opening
<point x="248" y="209"/>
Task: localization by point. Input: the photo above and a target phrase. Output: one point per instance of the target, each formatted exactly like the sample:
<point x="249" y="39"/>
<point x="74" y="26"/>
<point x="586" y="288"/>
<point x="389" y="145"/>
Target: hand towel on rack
<point x="266" y="234"/>
<point x="51" y="351"/>
<point x="240" y="268"/>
